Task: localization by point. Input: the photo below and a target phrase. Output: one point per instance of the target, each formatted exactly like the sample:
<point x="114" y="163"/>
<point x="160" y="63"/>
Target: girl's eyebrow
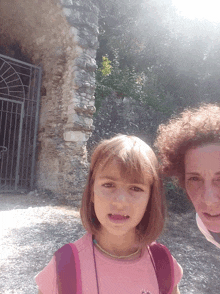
<point x="108" y="178"/>
<point x="116" y="179"/>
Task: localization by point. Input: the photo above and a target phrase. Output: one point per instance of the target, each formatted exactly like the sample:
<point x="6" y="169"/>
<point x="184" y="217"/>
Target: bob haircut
<point x="138" y="163"/>
<point x="192" y="128"/>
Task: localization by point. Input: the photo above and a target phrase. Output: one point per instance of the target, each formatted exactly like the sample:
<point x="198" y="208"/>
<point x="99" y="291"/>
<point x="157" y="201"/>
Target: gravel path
<point x="33" y="227"/>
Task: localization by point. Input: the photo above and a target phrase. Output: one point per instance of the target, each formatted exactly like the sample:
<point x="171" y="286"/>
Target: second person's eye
<point x="194" y="179"/>
<point x="217" y="182"/>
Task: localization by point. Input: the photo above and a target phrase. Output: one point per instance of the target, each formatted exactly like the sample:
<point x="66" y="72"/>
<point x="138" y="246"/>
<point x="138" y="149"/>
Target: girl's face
<point x="119" y="204"/>
<point x="202" y="183"/>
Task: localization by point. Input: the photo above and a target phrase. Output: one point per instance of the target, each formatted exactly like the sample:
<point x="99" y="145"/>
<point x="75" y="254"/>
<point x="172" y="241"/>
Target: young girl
<point x="123" y="211"/>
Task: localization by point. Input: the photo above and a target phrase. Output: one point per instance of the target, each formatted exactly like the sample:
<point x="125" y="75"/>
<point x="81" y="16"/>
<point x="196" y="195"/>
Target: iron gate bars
<point x="11" y="118"/>
<point x="19" y="105"/>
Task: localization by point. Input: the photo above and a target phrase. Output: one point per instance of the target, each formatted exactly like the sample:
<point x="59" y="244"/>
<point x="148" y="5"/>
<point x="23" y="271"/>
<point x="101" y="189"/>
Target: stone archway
<point x="61" y="37"/>
<point x="19" y="111"/>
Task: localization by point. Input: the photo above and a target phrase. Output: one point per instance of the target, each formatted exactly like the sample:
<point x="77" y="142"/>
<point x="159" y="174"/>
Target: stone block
<point x="80" y="19"/>
<point x="91" y="103"/>
<point x="75" y="136"/>
<point x="81" y="108"/>
<point x="81" y="74"/>
<point x="88" y="121"/>
<point x="79" y="50"/>
<point x="80" y="63"/>
<point x="91" y="66"/>
<point x="70" y="107"/>
<point x="73" y="117"/>
<point x="66" y="2"/>
<point x="91" y="52"/>
<point x="87" y="85"/>
<point x="90" y="90"/>
<point x="75" y="33"/>
<point x="91" y="109"/>
<point x="83" y="43"/>
<point x="86" y="5"/>
<point x="82" y="78"/>
<point x="78" y="83"/>
<point x="67" y="12"/>
<point x="94" y="43"/>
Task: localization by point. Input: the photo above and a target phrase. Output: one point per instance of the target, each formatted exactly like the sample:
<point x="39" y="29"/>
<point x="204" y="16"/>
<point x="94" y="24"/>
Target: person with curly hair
<point x="189" y="151"/>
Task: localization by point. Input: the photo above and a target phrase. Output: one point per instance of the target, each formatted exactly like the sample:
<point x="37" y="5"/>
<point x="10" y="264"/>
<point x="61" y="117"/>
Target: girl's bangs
<point x="134" y="167"/>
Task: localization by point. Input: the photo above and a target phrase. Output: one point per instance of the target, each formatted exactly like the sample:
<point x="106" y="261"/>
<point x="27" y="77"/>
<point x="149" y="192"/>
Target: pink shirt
<point x="114" y="276"/>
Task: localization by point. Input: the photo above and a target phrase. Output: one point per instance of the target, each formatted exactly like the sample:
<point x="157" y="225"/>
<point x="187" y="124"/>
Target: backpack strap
<point x="69" y="274"/>
<point x="68" y="270"/>
<point x="163" y="264"/>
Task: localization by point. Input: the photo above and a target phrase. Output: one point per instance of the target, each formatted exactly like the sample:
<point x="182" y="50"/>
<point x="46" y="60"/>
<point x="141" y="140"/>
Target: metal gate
<point x="19" y="111"/>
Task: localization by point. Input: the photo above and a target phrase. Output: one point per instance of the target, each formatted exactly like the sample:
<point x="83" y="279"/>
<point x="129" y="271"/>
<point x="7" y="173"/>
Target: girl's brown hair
<point x="138" y="163"/>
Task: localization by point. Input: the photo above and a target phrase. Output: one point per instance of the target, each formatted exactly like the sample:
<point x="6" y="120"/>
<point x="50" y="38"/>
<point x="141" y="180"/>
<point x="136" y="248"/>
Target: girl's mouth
<point x="118" y="217"/>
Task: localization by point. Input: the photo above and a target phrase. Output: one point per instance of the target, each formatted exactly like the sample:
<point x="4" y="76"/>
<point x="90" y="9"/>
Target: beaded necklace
<point x="115" y="256"/>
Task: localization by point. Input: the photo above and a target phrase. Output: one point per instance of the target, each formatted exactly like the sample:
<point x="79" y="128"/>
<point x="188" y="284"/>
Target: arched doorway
<point x="19" y="110"/>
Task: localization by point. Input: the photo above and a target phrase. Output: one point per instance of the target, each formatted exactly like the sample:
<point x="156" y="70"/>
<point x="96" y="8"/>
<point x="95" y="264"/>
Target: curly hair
<point x="190" y="129"/>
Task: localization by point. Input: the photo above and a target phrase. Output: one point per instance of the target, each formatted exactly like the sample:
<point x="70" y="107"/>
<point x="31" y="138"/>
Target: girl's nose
<point x="121" y="195"/>
<point x="211" y="195"/>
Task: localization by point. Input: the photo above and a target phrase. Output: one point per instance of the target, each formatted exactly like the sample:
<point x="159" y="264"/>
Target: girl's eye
<point x="107" y="185"/>
<point x="137" y="189"/>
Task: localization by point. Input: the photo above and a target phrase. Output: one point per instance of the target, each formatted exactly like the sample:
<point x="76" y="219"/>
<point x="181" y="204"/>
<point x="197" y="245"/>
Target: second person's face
<point x="202" y="183"/>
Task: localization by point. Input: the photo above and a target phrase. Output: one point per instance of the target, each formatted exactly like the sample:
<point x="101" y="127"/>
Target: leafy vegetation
<point x="149" y="53"/>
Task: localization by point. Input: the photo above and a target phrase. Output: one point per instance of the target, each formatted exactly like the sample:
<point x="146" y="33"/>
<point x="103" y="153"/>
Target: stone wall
<point x="62" y="37"/>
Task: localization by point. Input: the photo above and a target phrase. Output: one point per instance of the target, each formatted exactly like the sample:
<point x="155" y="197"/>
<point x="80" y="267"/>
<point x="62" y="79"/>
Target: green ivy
<point x="127" y="82"/>
<point x="106" y="66"/>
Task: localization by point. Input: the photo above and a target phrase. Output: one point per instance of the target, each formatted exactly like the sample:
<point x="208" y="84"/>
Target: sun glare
<point x="200" y="9"/>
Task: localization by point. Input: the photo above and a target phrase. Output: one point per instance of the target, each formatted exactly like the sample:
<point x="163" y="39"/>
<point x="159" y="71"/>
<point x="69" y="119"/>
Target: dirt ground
<point x="34" y="226"/>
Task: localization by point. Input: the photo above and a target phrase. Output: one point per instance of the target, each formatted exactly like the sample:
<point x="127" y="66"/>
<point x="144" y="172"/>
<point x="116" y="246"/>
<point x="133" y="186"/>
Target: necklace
<point x="115" y="256"/>
<point x="96" y="274"/>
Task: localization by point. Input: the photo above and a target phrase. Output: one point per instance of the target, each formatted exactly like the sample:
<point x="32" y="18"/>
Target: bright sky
<point x="201" y="9"/>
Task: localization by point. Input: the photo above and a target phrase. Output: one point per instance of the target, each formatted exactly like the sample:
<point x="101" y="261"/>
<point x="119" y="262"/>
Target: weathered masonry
<point x="61" y="38"/>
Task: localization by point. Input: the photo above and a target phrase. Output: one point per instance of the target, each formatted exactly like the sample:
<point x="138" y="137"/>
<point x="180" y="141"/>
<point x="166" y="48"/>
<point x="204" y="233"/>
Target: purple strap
<point x="164" y="268"/>
<point x="68" y="270"/>
<point x="69" y="274"/>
